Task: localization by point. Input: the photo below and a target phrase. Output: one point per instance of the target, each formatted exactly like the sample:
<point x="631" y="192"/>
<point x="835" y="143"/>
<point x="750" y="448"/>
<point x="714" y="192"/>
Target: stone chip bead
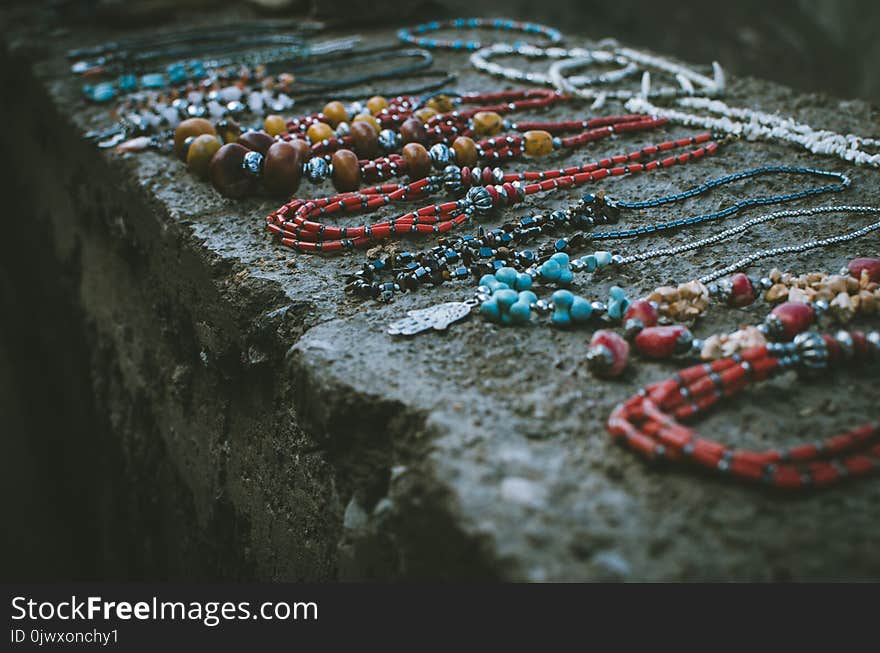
<point x="365" y="140"/>
<point x="487" y="123"/>
<point x="346" y="170"/>
<point x="413" y="131"/>
<point x="190" y="128"/>
<point x="335" y="112"/>
<point x="282" y="169"/>
<point x="465" y="151"/>
<point x="258" y="141"/>
<point x="319" y="131"/>
<point x="228" y="175"/>
<point x="537" y="142"/>
<point x="199" y="154"/>
<point x="608" y="354"/>
<point x="274" y="125"/>
<point x="417" y="159"/>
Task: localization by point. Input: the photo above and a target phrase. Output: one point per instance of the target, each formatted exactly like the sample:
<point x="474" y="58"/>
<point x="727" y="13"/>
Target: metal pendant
<point x="437" y="317"/>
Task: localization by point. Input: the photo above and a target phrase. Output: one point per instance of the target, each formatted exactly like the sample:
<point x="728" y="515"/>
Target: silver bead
<point x="389" y="140"/>
<point x="452" y="179"/>
<point x="498" y="175"/>
<point x="253" y="163"/>
<point x="811" y="351"/>
<point x="235" y="107"/>
<point x="599" y="359"/>
<point x="316" y="170"/>
<point x="343" y="129"/>
<point x="873" y="338"/>
<point x="480" y="199"/>
<point x="845" y="340"/>
<point x="441" y="155"/>
<point x="772" y="327"/>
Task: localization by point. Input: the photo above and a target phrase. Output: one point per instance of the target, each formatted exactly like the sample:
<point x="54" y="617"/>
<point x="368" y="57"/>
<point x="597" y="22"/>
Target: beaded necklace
<point x="485" y="253"/>
<point x="413" y="35"/>
<point x="649" y="422"/>
<point x="295" y="223"/>
<point x="758" y="125"/>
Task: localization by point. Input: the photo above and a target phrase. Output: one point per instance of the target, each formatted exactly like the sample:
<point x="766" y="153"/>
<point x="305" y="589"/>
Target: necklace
<point x="413" y="36"/>
<point x="649" y="422"/>
<point x="758" y="125"/>
<point x="507" y="298"/>
<point x="485" y="253"/>
<point x="295" y="223"/>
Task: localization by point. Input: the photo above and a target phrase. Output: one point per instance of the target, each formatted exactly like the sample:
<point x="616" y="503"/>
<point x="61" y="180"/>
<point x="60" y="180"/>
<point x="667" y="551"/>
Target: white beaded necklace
<point x="689" y="81"/>
<point x="758" y="125"/>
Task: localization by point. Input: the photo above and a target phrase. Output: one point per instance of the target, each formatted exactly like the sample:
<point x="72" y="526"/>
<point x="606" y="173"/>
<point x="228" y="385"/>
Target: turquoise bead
<point x="528" y="296"/>
<point x="103" y="92"/>
<point x="505" y="298"/>
<point x="562" y="300"/>
<point x="566" y="276"/>
<point x="523" y="281"/>
<point x="490" y="310"/>
<point x="487" y="279"/>
<point x="581" y="310"/>
<point x="520" y="311"/>
<point x="589" y="262"/>
<point x="616" y="292"/>
<point x="603" y="258"/>
<point x="153" y="80"/>
<point x="561" y="258"/>
<point x="550" y="270"/>
<point x="506" y="275"/>
<point x="618" y="303"/>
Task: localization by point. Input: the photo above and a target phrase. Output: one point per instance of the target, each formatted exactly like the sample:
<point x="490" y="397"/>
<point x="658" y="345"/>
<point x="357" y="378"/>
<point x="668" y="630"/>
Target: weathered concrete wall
<point x="237" y="416"/>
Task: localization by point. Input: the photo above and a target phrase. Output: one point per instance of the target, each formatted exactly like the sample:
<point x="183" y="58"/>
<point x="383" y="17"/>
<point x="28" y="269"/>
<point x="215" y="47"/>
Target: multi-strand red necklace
<point x="297" y="222"/>
<point x="649" y="422"/>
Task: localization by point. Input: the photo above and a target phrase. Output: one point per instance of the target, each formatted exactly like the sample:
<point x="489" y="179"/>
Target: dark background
<point x="820" y="46"/>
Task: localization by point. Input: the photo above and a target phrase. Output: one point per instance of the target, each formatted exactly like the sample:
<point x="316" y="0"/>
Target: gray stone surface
<point x="259" y="423"/>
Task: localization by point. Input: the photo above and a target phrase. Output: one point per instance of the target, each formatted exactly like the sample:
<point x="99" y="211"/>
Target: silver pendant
<point x="434" y="317"/>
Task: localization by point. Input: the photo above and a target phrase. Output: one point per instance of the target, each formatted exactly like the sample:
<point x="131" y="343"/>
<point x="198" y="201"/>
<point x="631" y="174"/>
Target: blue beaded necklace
<point x="413" y="36"/>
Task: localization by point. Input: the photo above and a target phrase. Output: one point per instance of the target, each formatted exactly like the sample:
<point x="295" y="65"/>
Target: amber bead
<point x="465" y="151"/>
<point x="440" y="103"/>
<point x="367" y="118"/>
<point x="335" y="112"/>
<point x="365" y="139"/>
<point x="282" y="169"/>
<point x="258" y="141"/>
<point x="229" y="130"/>
<point x="200" y="152"/>
<point x="227" y="174"/>
<point x="537" y="143"/>
<point x="487" y="123"/>
<point x="425" y="114"/>
<point x="274" y="125"/>
<point x="413" y="131"/>
<point x="346" y="170"/>
<point x="190" y="127"/>
<point x="376" y="103"/>
<point x="419" y="163"/>
<point x="320" y="131"/>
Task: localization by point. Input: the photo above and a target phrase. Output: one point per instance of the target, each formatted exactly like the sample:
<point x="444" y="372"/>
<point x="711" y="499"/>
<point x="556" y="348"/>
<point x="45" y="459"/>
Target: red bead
<point x="741" y="292"/>
<point x="794" y="318"/>
<point x="660" y="341"/>
<point x="872" y="265"/>
<point x="608" y="353"/>
<point x="642" y="313"/>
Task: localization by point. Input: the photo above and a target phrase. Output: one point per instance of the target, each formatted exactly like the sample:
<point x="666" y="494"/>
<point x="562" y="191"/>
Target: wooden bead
<point x="346" y="170"/>
<point x="370" y="120"/>
<point x="190" y="127"/>
<point x="274" y="125"/>
<point x="425" y="114"/>
<point x="413" y="131"/>
<point x="465" y="151"/>
<point x="365" y="139"/>
<point x="487" y="123"/>
<point x="282" y="169"/>
<point x="376" y="103"/>
<point x="418" y="161"/>
<point x="200" y="153"/>
<point x="320" y="131"/>
<point x="335" y="112"/>
<point x="227" y="174"/>
<point x="537" y="143"/>
<point x="258" y="141"/>
<point x="440" y="103"/>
